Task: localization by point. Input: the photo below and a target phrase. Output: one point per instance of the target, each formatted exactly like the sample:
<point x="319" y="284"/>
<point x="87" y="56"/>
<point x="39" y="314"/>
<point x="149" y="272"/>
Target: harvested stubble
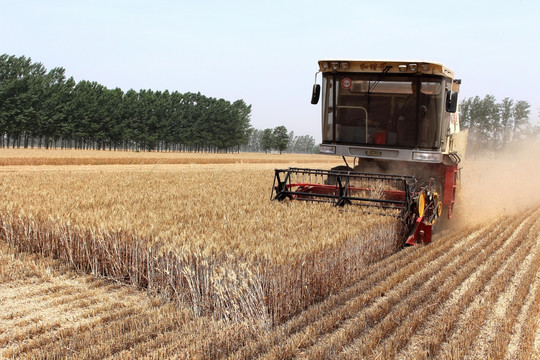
<point x="473" y="320"/>
<point x="97" y="319"/>
<point x="424" y="303"/>
<point x="206" y="236"/>
<point x="414" y="311"/>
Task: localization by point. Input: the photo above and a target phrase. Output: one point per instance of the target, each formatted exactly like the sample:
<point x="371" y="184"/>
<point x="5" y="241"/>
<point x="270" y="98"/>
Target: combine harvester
<point x="399" y="122"/>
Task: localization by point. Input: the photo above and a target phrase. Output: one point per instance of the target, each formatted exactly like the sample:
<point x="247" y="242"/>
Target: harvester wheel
<point x="421" y="204"/>
<point x="439" y="209"/>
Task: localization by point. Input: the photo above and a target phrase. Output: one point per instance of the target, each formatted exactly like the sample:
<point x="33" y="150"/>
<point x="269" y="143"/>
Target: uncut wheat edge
<point x="230" y="287"/>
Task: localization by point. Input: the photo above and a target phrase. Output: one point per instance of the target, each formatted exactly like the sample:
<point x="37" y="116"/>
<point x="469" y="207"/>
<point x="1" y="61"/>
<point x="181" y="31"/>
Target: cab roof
<point x="387" y="66"/>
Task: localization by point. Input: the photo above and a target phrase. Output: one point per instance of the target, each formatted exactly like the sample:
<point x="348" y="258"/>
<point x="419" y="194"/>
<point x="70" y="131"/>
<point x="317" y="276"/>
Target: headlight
<point x="427" y="156"/>
<point x="325" y="149"/>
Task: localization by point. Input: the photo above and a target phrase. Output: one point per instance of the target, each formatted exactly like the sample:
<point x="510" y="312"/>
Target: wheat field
<point x="192" y="260"/>
<point x="202" y="234"/>
<point x="17" y="157"/>
<point x="477" y="298"/>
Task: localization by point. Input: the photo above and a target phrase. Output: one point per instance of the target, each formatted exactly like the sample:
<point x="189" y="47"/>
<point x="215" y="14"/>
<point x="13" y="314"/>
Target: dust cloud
<point x="508" y="183"/>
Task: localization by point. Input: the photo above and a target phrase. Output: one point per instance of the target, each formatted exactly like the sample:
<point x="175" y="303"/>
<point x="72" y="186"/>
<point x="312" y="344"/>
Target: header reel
<point x="418" y="209"/>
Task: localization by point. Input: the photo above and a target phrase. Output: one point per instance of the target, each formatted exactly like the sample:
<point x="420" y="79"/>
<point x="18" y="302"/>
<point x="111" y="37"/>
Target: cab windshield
<point x="395" y="111"/>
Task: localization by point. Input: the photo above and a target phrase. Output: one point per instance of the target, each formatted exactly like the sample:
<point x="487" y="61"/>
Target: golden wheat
<point x="18" y="157"/>
<point x="203" y="235"/>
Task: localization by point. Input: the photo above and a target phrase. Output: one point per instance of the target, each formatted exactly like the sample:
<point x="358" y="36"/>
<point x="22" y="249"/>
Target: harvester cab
<point x="398" y="121"/>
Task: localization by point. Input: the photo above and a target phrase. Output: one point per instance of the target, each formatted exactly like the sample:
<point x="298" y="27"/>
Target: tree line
<point x="40" y="108"/>
<point x="494" y="126"/>
<point x="279" y="139"/>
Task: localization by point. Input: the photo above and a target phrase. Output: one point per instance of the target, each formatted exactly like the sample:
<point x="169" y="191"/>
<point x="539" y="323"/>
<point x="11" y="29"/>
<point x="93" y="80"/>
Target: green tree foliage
<point x="495" y="125"/>
<point x="303" y="144"/>
<point x="40" y="108"/>
<point x="281" y="138"/>
<point x="264" y="140"/>
<point x="20" y="95"/>
<point x="267" y="140"/>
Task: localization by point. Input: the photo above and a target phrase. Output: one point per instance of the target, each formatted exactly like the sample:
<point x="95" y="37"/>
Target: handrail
<point x="357" y="107"/>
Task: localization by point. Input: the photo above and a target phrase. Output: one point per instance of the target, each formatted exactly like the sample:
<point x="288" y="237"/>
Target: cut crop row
<point x="339" y="308"/>
<point x="410" y="315"/>
<point x="296" y="327"/>
<point x="485" y="291"/>
<point x="505" y="324"/>
<point x="372" y="325"/>
<point x="437" y="327"/>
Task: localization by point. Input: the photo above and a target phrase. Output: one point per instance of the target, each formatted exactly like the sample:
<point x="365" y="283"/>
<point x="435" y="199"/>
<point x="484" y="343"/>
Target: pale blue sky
<point x="266" y="52"/>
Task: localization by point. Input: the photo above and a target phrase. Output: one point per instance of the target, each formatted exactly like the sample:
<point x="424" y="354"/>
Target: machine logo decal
<point x="346" y="83"/>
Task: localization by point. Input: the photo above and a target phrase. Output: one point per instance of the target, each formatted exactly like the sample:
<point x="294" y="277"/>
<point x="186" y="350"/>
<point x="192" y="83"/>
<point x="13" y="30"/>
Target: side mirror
<point x="316" y="94"/>
<point x="451" y="101"/>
